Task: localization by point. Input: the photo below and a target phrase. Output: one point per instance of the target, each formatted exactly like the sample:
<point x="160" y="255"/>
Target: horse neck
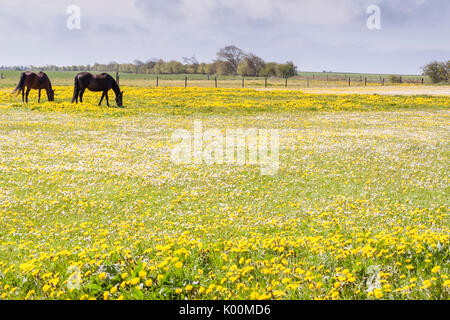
<point x="49" y="86"/>
<point x="115" y="87"/>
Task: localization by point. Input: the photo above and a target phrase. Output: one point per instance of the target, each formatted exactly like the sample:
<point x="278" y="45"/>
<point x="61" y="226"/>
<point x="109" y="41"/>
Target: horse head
<point x="51" y="95"/>
<point x="119" y="99"/>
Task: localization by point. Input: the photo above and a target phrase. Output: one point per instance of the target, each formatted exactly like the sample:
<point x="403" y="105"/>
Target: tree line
<point x="230" y="60"/>
<point x="438" y="71"/>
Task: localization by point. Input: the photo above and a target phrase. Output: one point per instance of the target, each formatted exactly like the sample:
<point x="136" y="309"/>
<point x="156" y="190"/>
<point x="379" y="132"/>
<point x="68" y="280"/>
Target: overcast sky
<point x="316" y="35"/>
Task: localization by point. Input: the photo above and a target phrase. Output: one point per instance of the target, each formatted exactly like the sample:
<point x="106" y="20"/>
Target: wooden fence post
<point x="422" y="81"/>
<point x="285" y="83"/>
<point x="365" y="81"/>
<point x="382" y="82"/>
<point x="349" y="82"/>
<point x="215" y="81"/>
<point x="243" y="85"/>
<point x="157" y="81"/>
<point x="307" y="82"/>
<point x="185" y="82"/>
<point x="265" y="82"/>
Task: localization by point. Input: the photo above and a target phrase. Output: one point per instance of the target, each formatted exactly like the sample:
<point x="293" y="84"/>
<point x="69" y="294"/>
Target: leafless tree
<point x="231" y="54"/>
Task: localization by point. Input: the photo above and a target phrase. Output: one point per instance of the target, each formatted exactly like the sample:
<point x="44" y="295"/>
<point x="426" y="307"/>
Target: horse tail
<point x="76" y="89"/>
<point x="21" y="84"/>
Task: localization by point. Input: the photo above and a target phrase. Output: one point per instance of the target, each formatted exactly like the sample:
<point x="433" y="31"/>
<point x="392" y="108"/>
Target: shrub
<point x="270" y="70"/>
<point x="395" y="78"/>
<point x="287" y="69"/>
<point x="437" y="71"/>
<point x="251" y="65"/>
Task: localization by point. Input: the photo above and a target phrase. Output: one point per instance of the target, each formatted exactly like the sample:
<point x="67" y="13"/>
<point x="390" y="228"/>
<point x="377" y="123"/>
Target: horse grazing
<point x="38" y="81"/>
<point x="99" y="82"/>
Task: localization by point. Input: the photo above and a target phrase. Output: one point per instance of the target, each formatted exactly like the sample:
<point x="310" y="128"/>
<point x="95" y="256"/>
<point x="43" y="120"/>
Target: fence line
<point x="300" y="81"/>
<point x="308" y="81"/>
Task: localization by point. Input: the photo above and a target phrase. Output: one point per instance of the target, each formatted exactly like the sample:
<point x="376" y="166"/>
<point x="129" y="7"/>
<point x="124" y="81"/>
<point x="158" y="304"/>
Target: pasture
<point x="92" y="207"/>
<point x="303" y="80"/>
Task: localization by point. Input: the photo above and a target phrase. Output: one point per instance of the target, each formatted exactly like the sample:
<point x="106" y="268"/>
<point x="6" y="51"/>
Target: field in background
<point x="92" y="207"/>
<point x="302" y="81"/>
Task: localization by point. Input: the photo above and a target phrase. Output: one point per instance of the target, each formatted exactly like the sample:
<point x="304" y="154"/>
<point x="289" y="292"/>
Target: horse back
<point x="36" y="81"/>
<point x="43" y="78"/>
<point x="98" y="82"/>
<point x="83" y="79"/>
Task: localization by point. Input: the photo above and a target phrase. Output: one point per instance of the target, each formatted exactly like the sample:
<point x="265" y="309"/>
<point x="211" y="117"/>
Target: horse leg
<point x="107" y="100"/>
<point x="103" y="94"/>
<point x="81" y="95"/>
<point x="75" y="96"/>
<point x="39" y="96"/>
<point x="23" y="95"/>
<point x="27" y="93"/>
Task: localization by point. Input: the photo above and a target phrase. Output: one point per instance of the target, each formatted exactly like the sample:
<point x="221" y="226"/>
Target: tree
<point x="172" y="67"/>
<point x="437" y="71"/>
<point x="230" y="61"/>
<point x="191" y="64"/>
<point x="287" y="69"/>
<point x="158" y="67"/>
<point x="202" y="68"/>
<point x="149" y="65"/>
<point x="251" y="65"/>
<point x="231" y="54"/>
<point x="244" y="69"/>
<point x="211" y="68"/>
<point x="270" y="69"/>
<point x="223" y="68"/>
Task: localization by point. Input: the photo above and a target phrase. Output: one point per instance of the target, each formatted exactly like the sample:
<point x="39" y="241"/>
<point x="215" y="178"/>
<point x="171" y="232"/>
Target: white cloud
<point x="302" y="11"/>
<point x="314" y="32"/>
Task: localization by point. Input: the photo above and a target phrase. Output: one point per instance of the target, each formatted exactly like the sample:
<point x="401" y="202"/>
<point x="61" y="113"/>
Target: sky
<point x="317" y="35"/>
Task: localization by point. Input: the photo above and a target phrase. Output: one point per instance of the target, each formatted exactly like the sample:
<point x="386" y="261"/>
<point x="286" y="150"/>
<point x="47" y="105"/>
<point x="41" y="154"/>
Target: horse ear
<point x="122" y="92"/>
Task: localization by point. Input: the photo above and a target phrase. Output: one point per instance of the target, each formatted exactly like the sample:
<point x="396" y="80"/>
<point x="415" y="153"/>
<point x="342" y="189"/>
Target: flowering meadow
<point x="92" y="207"/>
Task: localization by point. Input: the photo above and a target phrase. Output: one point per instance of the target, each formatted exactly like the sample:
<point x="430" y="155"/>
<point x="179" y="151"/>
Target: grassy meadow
<point x="302" y="80"/>
<point x="92" y="207"/>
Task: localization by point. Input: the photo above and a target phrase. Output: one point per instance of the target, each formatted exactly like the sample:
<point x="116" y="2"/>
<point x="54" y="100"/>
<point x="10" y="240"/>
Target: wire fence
<point x="274" y="82"/>
<point x="299" y="81"/>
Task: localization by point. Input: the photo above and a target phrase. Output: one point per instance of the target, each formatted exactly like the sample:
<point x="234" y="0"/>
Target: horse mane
<point x="48" y="79"/>
<point x="115" y="86"/>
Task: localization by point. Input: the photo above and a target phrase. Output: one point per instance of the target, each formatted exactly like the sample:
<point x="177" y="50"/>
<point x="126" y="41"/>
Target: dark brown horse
<point x="38" y="81"/>
<point x="99" y="82"/>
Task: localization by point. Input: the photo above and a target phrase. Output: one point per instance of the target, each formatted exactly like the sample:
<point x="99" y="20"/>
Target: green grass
<point x="11" y="78"/>
<point x="357" y="210"/>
